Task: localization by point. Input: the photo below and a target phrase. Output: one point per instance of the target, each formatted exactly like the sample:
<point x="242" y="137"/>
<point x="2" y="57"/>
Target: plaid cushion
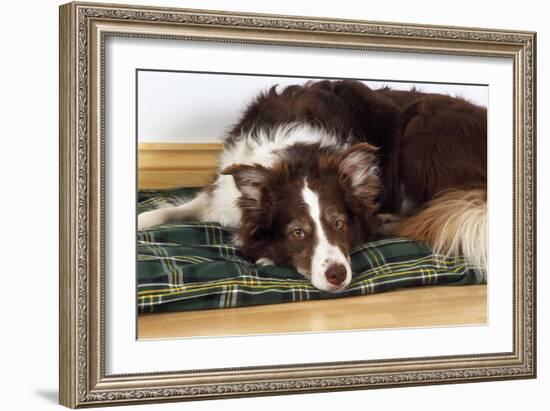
<point x="194" y="266"/>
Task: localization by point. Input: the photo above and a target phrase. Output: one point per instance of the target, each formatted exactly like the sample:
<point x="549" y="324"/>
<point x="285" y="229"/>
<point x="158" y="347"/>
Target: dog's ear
<point x="249" y="179"/>
<point x="360" y="176"/>
<point x="257" y="197"/>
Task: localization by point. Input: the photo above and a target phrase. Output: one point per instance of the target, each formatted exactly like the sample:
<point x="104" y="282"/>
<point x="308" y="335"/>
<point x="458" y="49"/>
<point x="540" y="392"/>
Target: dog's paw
<point x="389" y="223"/>
<point x="264" y="261"/>
<point x="151" y="218"/>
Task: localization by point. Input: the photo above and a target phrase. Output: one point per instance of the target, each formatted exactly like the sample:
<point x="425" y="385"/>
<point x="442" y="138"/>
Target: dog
<point x="314" y="170"/>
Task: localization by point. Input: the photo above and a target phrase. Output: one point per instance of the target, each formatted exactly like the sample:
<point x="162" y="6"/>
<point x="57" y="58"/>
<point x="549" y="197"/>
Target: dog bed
<point x="189" y="266"/>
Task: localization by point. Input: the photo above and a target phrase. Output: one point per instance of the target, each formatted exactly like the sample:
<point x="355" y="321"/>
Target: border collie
<point x="314" y="170"/>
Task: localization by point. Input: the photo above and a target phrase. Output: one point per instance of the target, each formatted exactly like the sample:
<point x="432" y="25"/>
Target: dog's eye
<point x="298" y="233"/>
<point x="339" y="224"/>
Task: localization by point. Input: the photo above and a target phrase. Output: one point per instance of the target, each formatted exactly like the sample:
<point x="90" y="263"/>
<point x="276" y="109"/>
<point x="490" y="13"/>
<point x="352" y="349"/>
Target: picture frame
<point x="84" y="287"/>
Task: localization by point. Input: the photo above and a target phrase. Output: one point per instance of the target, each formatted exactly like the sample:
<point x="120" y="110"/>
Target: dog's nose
<point x="336" y="274"/>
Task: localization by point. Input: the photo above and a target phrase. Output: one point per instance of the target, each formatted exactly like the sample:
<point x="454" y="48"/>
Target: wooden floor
<point x="414" y="307"/>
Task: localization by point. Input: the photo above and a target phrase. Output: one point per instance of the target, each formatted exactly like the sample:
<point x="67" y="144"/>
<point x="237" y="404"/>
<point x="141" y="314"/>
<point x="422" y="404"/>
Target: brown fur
<point x="439" y="165"/>
<point x="441" y="144"/>
<point x="343" y="107"/>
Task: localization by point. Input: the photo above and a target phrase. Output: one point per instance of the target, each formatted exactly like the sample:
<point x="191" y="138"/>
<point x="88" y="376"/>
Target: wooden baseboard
<point x="168" y="165"/>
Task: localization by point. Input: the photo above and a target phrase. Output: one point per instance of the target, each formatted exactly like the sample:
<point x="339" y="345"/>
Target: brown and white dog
<point x="306" y="172"/>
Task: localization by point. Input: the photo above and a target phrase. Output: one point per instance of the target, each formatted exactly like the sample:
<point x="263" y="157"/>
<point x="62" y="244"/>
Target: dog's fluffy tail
<point x="453" y="223"/>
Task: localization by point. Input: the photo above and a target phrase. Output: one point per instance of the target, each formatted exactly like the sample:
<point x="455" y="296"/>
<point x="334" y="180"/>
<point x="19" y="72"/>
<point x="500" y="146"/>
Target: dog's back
<point x="348" y="110"/>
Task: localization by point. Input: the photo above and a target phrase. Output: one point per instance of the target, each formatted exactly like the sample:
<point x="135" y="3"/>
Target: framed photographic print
<point x="260" y="204"/>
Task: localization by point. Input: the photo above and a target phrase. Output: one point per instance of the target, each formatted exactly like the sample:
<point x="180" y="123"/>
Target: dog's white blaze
<point x="325" y="253"/>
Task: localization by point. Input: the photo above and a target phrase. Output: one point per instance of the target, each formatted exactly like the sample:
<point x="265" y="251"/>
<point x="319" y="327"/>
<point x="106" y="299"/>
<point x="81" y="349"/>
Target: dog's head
<point x="309" y="210"/>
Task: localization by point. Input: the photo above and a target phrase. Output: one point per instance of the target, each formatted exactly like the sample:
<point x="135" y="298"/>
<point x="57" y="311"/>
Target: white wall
<point x="196" y="107"/>
<point x="28" y="170"/>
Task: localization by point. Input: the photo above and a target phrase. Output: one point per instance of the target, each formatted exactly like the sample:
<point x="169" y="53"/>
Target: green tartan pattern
<point x="194" y="266"/>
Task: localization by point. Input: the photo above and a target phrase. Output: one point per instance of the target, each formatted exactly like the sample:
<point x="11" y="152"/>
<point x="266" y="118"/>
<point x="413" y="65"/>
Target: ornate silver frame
<point x="83" y="30"/>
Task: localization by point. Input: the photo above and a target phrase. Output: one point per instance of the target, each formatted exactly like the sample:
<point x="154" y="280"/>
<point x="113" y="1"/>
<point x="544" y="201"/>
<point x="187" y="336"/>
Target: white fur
<point x="223" y="204"/>
<point x="325" y="253"/>
<point x="465" y="232"/>
<point x="261" y="146"/>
